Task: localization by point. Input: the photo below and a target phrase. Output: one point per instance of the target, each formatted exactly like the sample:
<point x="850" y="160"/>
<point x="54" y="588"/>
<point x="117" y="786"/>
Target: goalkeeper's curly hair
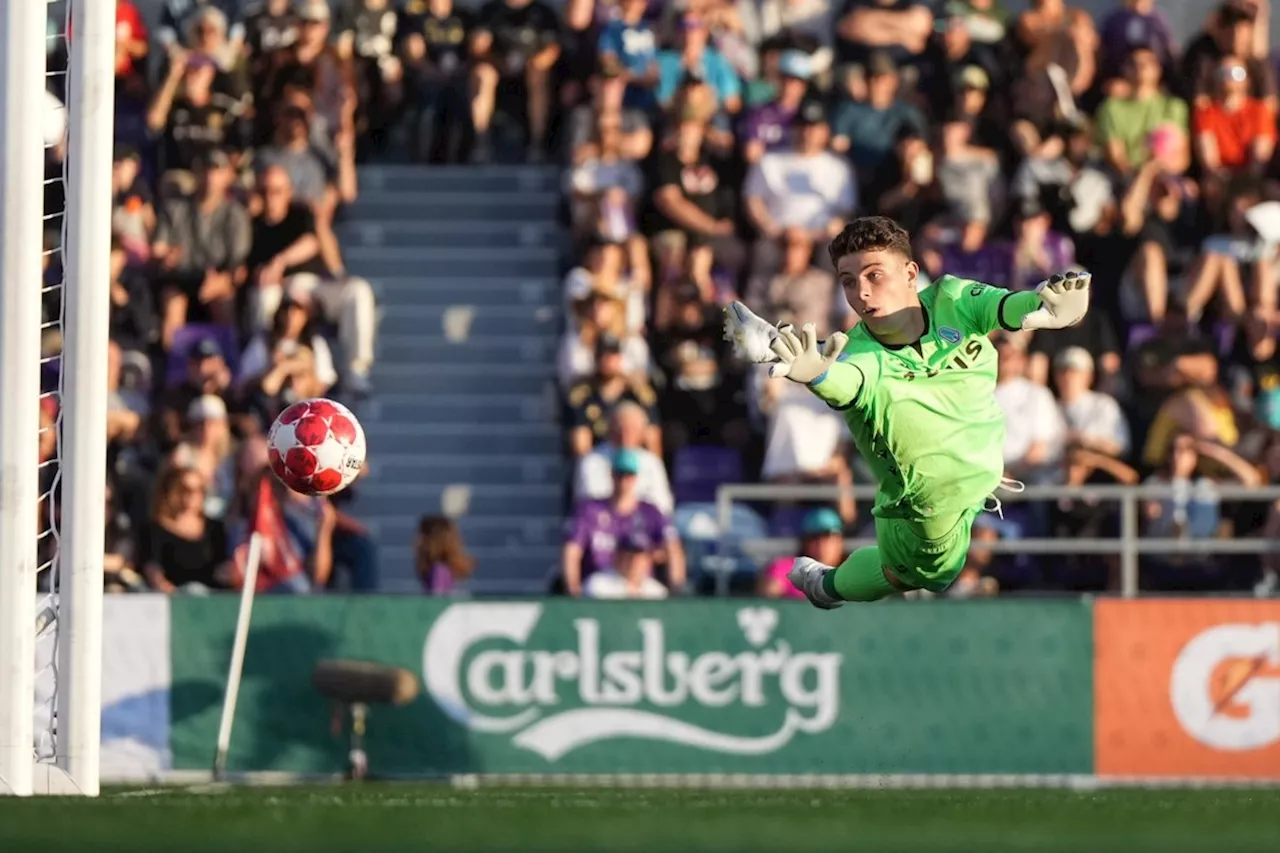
<point x="871" y="234"/>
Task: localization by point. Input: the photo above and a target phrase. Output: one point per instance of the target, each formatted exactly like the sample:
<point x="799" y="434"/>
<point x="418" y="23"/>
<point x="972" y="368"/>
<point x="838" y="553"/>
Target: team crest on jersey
<point x="950" y="335"/>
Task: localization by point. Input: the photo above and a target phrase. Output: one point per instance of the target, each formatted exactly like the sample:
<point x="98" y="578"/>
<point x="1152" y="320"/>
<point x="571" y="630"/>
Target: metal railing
<point x="1129" y="545"/>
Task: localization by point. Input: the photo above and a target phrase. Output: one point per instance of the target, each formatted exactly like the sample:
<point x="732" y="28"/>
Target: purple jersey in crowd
<point x="768" y="123"/>
<point x="596" y="527"/>
<point x="993" y="263"/>
<point x="1125" y="30"/>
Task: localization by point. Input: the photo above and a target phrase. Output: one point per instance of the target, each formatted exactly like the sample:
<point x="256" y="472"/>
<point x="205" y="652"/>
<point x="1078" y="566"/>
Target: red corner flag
<point x="279" y="560"/>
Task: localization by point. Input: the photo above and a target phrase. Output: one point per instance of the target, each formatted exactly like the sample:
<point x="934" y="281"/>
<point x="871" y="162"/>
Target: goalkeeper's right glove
<point x="800" y="359"/>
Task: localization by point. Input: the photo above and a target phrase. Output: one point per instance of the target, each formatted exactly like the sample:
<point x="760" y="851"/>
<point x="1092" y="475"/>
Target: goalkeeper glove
<point x="800" y="359"/>
<point x="1064" y="299"/>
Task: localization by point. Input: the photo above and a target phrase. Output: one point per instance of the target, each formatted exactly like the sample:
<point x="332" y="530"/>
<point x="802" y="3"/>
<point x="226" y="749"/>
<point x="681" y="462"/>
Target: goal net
<point x="56" y="109"/>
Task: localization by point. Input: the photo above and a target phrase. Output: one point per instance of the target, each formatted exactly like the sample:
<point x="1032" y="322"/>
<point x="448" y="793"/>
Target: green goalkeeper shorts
<point x="925" y="554"/>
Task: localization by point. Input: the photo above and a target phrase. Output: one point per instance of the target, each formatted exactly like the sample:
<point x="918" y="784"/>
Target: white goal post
<point x="74" y="599"/>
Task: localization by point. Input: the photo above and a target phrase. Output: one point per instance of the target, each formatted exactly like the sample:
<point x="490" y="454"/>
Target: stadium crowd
<point x="235" y="146"/>
<point x="718" y="146"/>
<point x="712" y="147"/>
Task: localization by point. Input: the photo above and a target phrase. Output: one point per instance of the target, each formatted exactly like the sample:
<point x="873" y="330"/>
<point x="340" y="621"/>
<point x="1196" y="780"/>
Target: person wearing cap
<point x="768" y="127"/>
<point x="807" y="187"/>
<point x="208" y="449"/>
<point x="514" y="40"/>
<point x="599" y="326"/>
<point x="202" y="244"/>
<point x="631" y="574"/>
<point x="207" y="373"/>
<point x="866" y="124"/>
<point x="629" y="428"/>
<point x="591" y="401"/>
<point x="821" y="539"/>
<point x="1094" y="420"/>
<point x="597" y="526"/>
<point x="177" y="16"/>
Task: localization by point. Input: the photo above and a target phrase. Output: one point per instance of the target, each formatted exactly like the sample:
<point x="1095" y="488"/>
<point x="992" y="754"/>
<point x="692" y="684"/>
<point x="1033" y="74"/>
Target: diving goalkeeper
<point x="915" y="381"/>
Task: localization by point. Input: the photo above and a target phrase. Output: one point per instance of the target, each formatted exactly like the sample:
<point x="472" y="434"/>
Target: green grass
<point x="372" y="818"/>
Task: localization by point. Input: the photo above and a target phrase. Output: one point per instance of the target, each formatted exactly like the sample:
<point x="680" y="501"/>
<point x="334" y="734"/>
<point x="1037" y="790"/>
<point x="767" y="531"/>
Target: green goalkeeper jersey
<point x="924" y="415"/>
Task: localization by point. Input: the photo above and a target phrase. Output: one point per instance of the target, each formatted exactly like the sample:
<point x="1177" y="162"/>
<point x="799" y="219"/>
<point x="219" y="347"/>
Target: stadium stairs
<point x="463" y="416"/>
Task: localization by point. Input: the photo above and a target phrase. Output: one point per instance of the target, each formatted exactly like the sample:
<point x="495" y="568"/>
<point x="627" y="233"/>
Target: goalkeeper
<point x="915" y="381"/>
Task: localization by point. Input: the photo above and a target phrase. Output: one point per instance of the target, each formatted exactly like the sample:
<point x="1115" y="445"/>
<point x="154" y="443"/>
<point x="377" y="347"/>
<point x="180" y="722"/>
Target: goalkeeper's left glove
<point x="1064" y="300"/>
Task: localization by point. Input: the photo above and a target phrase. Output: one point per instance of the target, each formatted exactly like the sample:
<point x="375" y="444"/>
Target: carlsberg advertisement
<point x="687" y="686"/>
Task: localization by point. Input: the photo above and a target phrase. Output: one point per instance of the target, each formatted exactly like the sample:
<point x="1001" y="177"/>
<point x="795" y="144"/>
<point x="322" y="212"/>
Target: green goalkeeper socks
<point x="859" y="578"/>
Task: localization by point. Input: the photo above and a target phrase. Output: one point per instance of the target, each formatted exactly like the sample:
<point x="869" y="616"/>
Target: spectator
<point x="119" y="568"/>
<point x="697" y="60"/>
<point x="515" y="42"/>
<point x="1135" y="25"/>
<point x="630" y="429"/>
<point x="969" y="179"/>
<point x="605" y="185"/>
<point x="700" y="403"/>
<point x="869" y="118"/>
<point x="581" y="126"/>
<point x="311" y="68"/>
<point x="628" y="44"/>
<point x="691" y="220"/>
<point x="178" y="16"/>
<point x="207" y="373"/>
<point x="208" y="450"/>
<point x="270" y="26"/>
<point x="630" y="575"/>
<point x="132" y="46"/>
<point x="286" y="254"/>
<point x="190" y="120"/>
<point x="768" y="127"/>
<point x="597" y="526"/>
<point x="899" y="27"/>
<point x="440" y="557"/>
<point x="434" y="38"/>
<point x="800" y="292"/>
<point x="365" y="42"/>
<point x="201" y="246"/>
<point x="604" y="272"/>
<point x="1232" y="30"/>
<point x="592" y="401"/>
<point x="1039" y="251"/>
<point x="133" y="215"/>
<point x="1234" y="132"/>
<point x="821" y="539"/>
<point x="1094" y="420"/>
<point x="183" y="550"/>
<point x="1035" y="435"/>
<point x="1197" y="406"/>
<point x="133" y="323"/>
<point x="599" y="325"/>
<point x="294" y="327"/>
<point x="808" y="188"/>
<point x="956" y="62"/>
<point x="1256" y="372"/>
<point x="1126" y="123"/>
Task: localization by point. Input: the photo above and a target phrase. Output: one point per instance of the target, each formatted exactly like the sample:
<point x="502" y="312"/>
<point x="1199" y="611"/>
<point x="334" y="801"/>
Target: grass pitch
<point x="372" y="818"/>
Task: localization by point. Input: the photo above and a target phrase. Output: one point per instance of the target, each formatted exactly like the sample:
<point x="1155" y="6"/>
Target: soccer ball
<point x="316" y="447"/>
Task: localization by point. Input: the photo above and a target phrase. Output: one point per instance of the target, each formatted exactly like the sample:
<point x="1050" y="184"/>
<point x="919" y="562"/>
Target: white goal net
<point x="56" y="108"/>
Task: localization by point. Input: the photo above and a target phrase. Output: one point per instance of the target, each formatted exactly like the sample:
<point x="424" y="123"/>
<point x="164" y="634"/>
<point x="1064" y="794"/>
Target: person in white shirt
<point x="630" y="576"/>
<point x="593" y="478"/>
<point x="809" y="188"/>
<point x="1094" y="420"/>
<point x="1035" y="435"/>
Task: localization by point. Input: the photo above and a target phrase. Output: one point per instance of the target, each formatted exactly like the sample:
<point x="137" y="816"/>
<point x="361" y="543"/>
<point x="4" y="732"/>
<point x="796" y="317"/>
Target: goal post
<point x="72" y="613"/>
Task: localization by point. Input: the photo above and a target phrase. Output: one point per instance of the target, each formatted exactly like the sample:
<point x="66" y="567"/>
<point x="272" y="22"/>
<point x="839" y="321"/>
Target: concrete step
<point x="463" y="438"/>
<point x="460" y="323"/>
<point x="444" y="469"/>
<point x="424" y="290"/>
<point x="382" y="500"/>
<point x="459" y="234"/>
<point x="403" y="261"/>
<point x="496" y="351"/>
<point x="460" y="179"/>
<point x="538" y="408"/>
<point x="455" y="206"/>
<point x="516" y="378"/>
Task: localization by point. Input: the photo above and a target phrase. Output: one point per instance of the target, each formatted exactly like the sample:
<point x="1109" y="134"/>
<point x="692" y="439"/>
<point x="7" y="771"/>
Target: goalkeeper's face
<point x="880" y="285"/>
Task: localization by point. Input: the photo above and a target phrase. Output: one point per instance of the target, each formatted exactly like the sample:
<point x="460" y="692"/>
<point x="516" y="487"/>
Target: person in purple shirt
<point x="596" y="527"/>
<point x="1136" y="24"/>
<point x="767" y="127"/>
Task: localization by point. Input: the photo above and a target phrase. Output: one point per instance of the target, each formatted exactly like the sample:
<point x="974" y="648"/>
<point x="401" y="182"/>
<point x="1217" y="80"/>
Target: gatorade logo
<point x="1225" y="686"/>
<point x="1187" y="689"/>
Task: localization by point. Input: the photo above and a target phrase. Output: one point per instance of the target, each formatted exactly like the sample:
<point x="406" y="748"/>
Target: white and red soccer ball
<point x="316" y="447"/>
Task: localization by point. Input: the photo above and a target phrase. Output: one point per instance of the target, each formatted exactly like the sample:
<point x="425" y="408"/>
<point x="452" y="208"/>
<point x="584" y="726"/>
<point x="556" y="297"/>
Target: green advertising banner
<point x="687" y="686"/>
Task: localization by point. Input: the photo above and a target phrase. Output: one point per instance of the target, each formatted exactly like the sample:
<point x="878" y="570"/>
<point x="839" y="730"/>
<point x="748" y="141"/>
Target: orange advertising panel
<point x="1187" y="688"/>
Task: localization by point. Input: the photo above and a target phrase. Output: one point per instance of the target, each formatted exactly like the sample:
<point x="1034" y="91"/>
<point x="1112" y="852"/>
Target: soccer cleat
<point x="806" y="575"/>
<point x="750" y="335"/>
